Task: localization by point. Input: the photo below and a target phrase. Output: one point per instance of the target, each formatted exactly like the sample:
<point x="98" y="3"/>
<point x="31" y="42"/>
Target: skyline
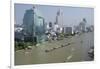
<point x="49" y="13"/>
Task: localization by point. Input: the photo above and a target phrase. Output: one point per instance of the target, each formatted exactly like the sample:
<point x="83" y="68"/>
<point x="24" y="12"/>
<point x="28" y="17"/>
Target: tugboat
<point x="91" y="52"/>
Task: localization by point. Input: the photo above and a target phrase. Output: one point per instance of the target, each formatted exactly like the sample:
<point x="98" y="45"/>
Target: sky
<point x="70" y="15"/>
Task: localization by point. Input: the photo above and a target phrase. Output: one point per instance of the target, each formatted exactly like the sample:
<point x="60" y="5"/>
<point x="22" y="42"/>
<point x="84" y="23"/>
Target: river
<point x="76" y="51"/>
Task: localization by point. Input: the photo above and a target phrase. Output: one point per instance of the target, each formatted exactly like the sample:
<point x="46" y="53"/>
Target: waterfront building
<point x="67" y="30"/>
<point x="82" y="25"/>
<point x="18" y="32"/>
<point x="34" y="25"/>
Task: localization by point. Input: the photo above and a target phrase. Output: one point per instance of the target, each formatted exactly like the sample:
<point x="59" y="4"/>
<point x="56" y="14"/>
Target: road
<point x="76" y="51"/>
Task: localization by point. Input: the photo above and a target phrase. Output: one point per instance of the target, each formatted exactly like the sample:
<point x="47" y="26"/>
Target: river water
<point x="75" y="52"/>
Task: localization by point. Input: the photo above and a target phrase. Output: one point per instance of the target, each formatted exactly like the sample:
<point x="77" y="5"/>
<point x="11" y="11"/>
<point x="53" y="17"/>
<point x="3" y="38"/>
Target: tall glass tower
<point x="34" y="25"/>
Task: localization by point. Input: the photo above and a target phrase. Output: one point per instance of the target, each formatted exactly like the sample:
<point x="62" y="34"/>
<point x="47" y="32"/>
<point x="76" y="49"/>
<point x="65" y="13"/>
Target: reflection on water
<point x="76" y="51"/>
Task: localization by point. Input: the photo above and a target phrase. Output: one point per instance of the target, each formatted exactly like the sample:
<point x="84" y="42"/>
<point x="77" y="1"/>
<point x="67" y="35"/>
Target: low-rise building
<point x="68" y="30"/>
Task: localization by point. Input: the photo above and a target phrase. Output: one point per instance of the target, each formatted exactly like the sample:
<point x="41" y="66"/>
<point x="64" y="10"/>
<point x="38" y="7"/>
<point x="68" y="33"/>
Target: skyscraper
<point x="33" y="24"/>
<point x="59" y="18"/>
<point x="82" y="25"/>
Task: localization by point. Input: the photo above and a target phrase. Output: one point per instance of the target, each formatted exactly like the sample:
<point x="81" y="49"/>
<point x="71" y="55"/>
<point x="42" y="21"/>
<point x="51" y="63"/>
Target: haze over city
<point x="70" y="15"/>
<point x="53" y="34"/>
